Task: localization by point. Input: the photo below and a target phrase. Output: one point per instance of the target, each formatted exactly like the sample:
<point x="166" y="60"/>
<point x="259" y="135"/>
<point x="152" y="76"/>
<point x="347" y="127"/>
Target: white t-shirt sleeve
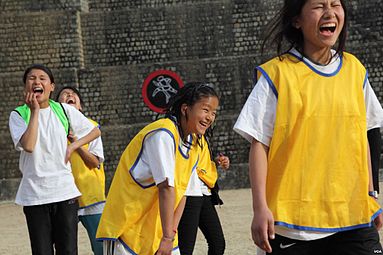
<point x="17" y="128"/>
<point x="257" y="117"/>
<point x="80" y="125"/>
<point x="374" y="111"/>
<point x="159" y="152"/>
<point x="96" y="148"/>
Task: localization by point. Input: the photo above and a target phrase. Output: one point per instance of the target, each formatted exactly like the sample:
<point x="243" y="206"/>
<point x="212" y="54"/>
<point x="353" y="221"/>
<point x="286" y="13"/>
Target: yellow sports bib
<point x="90" y="182"/>
<point x="317" y="163"/>
<point x="131" y="213"/>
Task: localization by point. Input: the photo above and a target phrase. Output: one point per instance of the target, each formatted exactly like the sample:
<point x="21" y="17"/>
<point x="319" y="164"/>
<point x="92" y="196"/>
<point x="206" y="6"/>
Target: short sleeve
<point x="80" y="125"/>
<point x="374" y="111"/>
<point x="96" y="148"/>
<point x="257" y="117"/>
<point x="159" y="152"/>
<point x="17" y="128"/>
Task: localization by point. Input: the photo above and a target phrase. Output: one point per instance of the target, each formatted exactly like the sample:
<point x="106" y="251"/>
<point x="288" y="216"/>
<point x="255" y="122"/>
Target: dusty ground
<point x="235" y="217"/>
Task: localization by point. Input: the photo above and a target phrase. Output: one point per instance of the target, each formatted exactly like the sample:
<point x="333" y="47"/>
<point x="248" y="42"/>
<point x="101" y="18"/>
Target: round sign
<point x="159" y="87"/>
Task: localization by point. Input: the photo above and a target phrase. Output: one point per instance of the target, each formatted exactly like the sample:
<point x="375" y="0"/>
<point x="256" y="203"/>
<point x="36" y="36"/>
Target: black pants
<point x="200" y="212"/>
<point x="51" y="225"/>
<point x="363" y="241"/>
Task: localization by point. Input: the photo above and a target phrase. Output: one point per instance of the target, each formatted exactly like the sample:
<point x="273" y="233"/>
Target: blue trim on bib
<point x="365" y="79"/>
<point x="317" y="71"/>
<point x="284" y="224"/>
<point x="190" y="137"/>
<point x="131" y="251"/>
<point x="106" y="239"/>
<point x="139" y="156"/>
<point x="127" y="247"/>
<point x="269" y="81"/>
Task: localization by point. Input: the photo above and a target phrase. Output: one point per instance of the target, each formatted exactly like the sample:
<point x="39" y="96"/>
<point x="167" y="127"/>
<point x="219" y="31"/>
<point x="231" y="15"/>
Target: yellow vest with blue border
<point x="90" y="182"/>
<point x="131" y="212"/>
<point x="206" y="169"/>
<point x="317" y="177"/>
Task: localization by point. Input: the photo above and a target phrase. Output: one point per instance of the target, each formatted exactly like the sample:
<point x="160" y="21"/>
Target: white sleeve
<point x="96" y="148"/>
<point x="159" y="150"/>
<point x="257" y="117"/>
<point x="374" y="111"/>
<point x="17" y="128"/>
<point x="80" y="125"/>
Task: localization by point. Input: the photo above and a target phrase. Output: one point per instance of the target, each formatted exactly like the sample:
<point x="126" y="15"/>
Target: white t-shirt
<point x="195" y="186"/>
<point x="257" y="117"/>
<point x="45" y="176"/>
<point x="157" y="161"/>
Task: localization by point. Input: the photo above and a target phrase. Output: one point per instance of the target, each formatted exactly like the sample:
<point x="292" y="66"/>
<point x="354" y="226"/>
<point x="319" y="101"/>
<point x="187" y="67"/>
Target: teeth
<point x="328" y="25"/>
<point x="37" y="90"/>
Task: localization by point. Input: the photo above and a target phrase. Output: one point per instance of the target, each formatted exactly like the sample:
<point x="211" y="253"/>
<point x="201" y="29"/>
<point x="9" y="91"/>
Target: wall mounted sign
<point x="159" y="87"/>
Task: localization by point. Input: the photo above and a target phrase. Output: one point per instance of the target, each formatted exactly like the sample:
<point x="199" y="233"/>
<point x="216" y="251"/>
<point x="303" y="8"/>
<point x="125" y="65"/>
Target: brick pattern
<point x="107" y="47"/>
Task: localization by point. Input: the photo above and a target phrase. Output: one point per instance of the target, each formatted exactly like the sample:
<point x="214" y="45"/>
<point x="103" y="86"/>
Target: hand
<point x="72" y="138"/>
<point x="69" y="150"/>
<point x="262" y="229"/>
<point x="166" y="247"/>
<point x="223" y="161"/>
<point x="379" y="221"/>
<point x="31" y="101"/>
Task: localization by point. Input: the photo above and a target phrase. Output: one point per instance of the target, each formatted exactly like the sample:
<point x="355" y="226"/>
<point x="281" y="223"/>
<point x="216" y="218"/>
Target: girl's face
<point x="200" y="116"/>
<point x="39" y="83"/>
<point x="68" y="96"/>
<point x="321" y="22"/>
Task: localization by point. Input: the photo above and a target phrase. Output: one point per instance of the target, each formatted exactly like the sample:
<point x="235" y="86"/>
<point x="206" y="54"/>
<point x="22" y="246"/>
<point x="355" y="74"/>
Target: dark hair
<point x="189" y="94"/>
<point x="75" y="90"/>
<point x="39" y="67"/>
<point x="281" y="29"/>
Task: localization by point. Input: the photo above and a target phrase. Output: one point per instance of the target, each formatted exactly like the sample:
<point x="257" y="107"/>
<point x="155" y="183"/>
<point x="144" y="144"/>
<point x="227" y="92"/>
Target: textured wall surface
<point x="107" y="47"/>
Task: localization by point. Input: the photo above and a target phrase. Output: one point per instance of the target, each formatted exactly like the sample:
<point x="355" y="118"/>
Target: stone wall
<point x="108" y="47"/>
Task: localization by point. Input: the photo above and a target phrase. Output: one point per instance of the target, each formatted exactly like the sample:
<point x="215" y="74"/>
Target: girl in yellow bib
<point x="146" y="197"/>
<point x="307" y="119"/>
<point x="88" y="171"/>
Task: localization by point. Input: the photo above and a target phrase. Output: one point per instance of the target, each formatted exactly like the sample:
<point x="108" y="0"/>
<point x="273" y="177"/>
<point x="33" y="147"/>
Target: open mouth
<point x="38" y="91"/>
<point x="70" y="101"/>
<point x="205" y="125"/>
<point x="328" y="28"/>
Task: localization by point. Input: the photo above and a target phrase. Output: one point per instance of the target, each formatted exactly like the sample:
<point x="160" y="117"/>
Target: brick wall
<point x="108" y="47"/>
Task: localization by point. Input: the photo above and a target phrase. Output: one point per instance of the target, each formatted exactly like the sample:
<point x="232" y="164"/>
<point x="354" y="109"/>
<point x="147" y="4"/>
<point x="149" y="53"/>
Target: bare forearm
<point x="90" y="160"/>
<point x="86" y="139"/>
<point x="29" y="138"/>
<point x="166" y="201"/>
<point x="370" y="183"/>
<point x="178" y="213"/>
<point x="258" y="172"/>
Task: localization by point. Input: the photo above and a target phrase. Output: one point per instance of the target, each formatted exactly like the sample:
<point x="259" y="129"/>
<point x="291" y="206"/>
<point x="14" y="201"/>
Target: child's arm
<point x="222" y="161"/>
<point x="166" y="199"/>
<point x="29" y="138"/>
<point x="379" y="219"/>
<point x="262" y="226"/>
<point x="90" y="160"/>
<point x="80" y="142"/>
<point x="178" y="213"/>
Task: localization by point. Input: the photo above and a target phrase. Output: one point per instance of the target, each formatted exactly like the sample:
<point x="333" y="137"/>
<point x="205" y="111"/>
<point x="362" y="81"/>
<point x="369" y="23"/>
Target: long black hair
<point x="285" y="35"/>
<point x="189" y="94"/>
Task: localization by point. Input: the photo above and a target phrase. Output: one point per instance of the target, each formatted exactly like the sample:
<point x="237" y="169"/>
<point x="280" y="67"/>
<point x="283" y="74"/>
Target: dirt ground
<point x="235" y="215"/>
